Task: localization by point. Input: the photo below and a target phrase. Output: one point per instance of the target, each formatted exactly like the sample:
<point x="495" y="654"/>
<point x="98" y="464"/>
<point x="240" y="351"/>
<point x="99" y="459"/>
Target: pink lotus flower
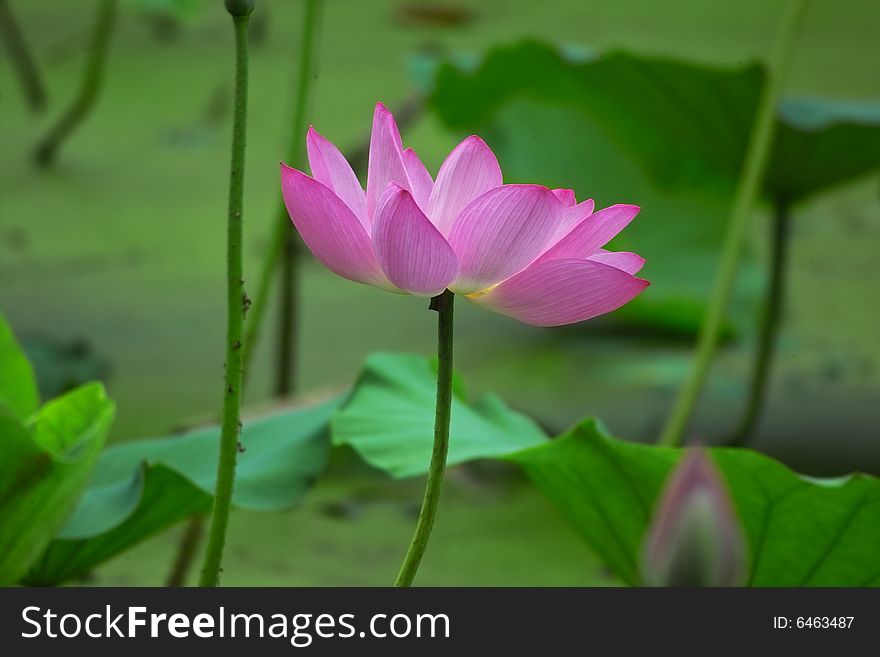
<point x="520" y="250"/>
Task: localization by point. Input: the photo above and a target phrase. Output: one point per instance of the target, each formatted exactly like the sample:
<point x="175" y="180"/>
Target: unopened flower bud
<point x="239" y="7"/>
<point x="695" y="538"/>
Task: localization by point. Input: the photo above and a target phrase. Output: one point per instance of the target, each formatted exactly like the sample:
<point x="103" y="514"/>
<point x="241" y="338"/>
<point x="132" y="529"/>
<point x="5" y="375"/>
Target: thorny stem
<point x="231" y="424"/>
<point x="443" y="304"/>
<point x="757" y="156"/>
<point x="769" y="329"/>
<point x="47" y="149"/>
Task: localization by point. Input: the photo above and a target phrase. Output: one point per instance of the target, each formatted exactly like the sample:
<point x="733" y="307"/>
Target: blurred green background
<point x="111" y="266"/>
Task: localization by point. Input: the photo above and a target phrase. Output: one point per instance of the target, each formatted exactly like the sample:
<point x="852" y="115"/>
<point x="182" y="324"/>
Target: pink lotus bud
<point x="695" y="538"/>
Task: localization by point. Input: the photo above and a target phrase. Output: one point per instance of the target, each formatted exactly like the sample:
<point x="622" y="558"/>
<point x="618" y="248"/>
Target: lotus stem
<point x="236" y="306"/>
<point x="186" y="552"/>
<point x="47" y="149"/>
<point x="282" y="235"/>
<point x="288" y="316"/>
<point x="443" y="304"/>
<point x="288" y="327"/>
<point x="22" y="60"/>
<point x="769" y="329"/>
<point x="757" y="156"/>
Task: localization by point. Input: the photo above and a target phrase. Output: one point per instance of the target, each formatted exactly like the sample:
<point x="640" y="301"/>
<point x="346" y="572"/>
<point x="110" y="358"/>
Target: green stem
<point x="290" y="254"/>
<point x="186" y="551"/>
<point x="755" y="165"/>
<point x="236" y="301"/>
<point x="443" y="304"/>
<point x="288" y="316"/>
<point x="22" y="60"/>
<point x="47" y="149"/>
<point x="284" y="242"/>
<point x="769" y="328"/>
<point x="288" y="323"/>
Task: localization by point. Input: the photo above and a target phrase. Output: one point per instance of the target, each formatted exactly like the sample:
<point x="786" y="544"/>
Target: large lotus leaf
<point x="801" y="531"/>
<point x="45" y="464"/>
<point x="154" y="499"/>
<point x="820" y="143"/>
<point x="390" y="419"/>
<point x="688" y="124"/>
<point x="144" y="486"/>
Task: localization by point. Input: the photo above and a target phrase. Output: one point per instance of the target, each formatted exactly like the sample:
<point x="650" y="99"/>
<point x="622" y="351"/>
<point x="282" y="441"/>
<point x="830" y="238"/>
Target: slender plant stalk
<point x="22" y="60"/>
<point x="443" y="304"/>
<point x="769" y="329"/>
<point x="47" y="149"/>
<point x="236" y="301"/>
<point x="288" y="318"/>
<point x="270" y="264"/>
<point x="186" y="553"/>
<point x="753" y="172"/>
<point x="283" y="238"/>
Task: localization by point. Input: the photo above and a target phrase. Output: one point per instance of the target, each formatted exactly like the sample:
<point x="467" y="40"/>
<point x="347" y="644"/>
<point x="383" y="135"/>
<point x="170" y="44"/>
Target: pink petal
<point x="592" y="233"/>
<point x="566" y="196"/>
<point x="626" y="261"/>
<point x="421" y="180"/>
<point x="501" y="232"/>
<point x="386" y="158"/>
<point x="411" y="251"/>
<point x="564" y="291"/>
<point x="468" y="171"/>
<point x="331" y="169"/>
<point x="329" y="228"/>
<point x="572" y="216"/>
